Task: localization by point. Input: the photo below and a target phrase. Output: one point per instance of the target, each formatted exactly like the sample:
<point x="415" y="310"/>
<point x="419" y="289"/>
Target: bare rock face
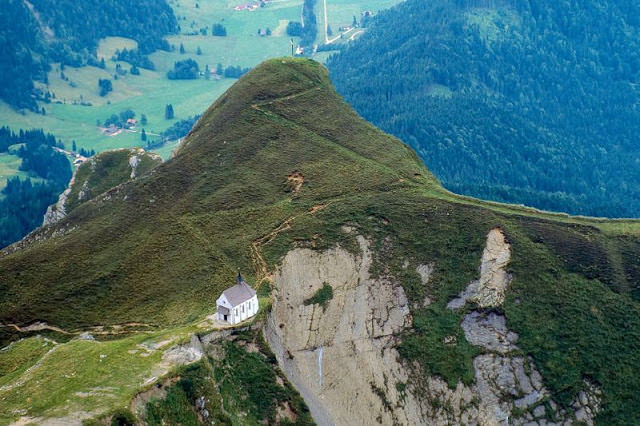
<point x="494" y="278"/>
<point x="341" y="357"/>
<point x="505" y="381"/>
<point x="489" y="331"/>
<point x="488" y="291"/>
<point x="133" y="163"/>
<point x="56" y="212"/>
<point x="184" y="354"/>
<point x="340" y="353"/>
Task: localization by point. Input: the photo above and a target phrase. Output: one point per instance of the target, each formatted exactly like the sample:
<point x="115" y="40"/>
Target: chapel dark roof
<point x="239" y="293"/>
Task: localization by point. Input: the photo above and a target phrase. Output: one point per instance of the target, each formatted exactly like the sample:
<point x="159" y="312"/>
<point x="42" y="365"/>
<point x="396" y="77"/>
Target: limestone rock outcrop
<point x="507" y="383"/>
<point x="488" y="291"/>
<point x="342" y="358"/>
<point x="341" y="355"/>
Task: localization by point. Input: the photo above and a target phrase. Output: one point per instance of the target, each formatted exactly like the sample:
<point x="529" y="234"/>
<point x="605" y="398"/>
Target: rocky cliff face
<point x="342" y="357"/>
<point x="341" y="354"/>
<point x="56" y="212"/>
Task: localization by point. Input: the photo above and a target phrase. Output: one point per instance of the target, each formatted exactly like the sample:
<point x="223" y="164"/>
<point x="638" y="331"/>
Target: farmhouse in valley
<point x="237" y="303"/>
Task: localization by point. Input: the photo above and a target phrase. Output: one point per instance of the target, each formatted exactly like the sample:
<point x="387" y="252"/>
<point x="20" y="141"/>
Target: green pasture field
<point x="77" y="106"/>
<point x="41" y="378"/>
<point x="341" y="12"/>
<point x="10" y="167"/>
<point x="108" y="46"/>
<point x="77" y="109"/>
<point x="146" y="94"/>
<point x="242" y="46"/>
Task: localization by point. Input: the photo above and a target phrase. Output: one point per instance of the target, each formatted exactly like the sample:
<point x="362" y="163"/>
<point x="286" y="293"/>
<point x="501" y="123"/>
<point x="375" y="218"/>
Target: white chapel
<point x="237" y="303"/>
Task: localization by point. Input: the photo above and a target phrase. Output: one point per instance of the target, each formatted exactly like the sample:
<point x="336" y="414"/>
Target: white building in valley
<point x="237" y="303"/>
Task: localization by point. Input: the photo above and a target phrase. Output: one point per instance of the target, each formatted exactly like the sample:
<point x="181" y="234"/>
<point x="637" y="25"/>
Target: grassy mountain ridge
<point x="107" y="170"/>
<point x="138" y="231"/>
<point x="280" y="161"/>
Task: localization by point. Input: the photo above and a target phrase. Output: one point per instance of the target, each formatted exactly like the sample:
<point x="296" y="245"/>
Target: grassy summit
<point x="280" y="161"/>
<point x="159" y="249"/>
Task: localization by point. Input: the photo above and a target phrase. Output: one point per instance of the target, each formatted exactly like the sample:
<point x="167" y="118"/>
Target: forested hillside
<point x="528" y="102"/>
<point x="21" y="47"/>
<point x="34" y="34"/>
<point x="23" y="202"/>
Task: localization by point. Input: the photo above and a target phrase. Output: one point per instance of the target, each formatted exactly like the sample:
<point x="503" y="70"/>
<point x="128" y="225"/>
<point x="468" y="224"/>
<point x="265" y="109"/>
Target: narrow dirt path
<point x="110" y="329"/>
<point x="36" y="326"/>
<point x="260" y="264"/>
<point x="262" y="270"/>
<point x="284" y="98"/>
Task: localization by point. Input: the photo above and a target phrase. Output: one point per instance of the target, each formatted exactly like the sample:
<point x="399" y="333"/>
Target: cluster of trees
<point x="520" y="101"/>
<point x="87" y="152"/>
<point x="168" y="112"/>
<point x="120" y="120"/>
<point x="310" y="28"/>
<point x="24" y="201"/>
<point x="82" y="151"/>
<point x="105" y="86"/>
<point x="21" y="64"/>
<point x="22" y="207"/>
<point x="294" y="29"/>
<point x="235" y="71"/>
<point x="45" y="162"/>
<point x="186" y="69"/>
<point x="79" y="25"/>
<point x="9" y="138"/>
<point x="36" y="149"/>
<point x="307" y="32"/>
<point x="135" y="58"/>
<point x="178" y="130"/>
<point x="218" y="30"/>
<point x="189" y="69"/>
<point x="27" y="51"/>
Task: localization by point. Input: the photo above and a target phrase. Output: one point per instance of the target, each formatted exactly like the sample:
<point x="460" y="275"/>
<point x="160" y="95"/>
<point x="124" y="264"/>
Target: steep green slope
<point x="99" y="174"/>
<point x="280" y="162"/>
<point x="224" y="189"/>
<point x="528" y="102"/>
<point x="107" y="170"/>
